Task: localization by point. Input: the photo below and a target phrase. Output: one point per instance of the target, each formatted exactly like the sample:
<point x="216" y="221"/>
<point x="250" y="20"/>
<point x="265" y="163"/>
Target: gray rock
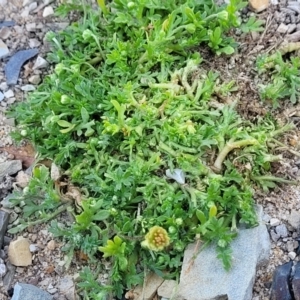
<point x="3" y="269"/>
<point x="294" y="219"/>
<point x="296" y="282"/>
<point x="280" y="285"/>
<point x="9" y="276"/>
<point x="1" y="96"/>
<point x="206" y="277"/>
<point x="6" y="202"/>
<point x="4" y="218"/>
<point x="10" y="167"/>
<point x="40" y="63"/>
<point x="3" y="49"/>
<point x="5" y="33"/>
<point x="274" y="222"/>
<point x="13" y="67"/>
<point x="23" y="291"/>
<point x="67" y="287"/>
<point x="282" y="230"/>
<point x="7" y="24"/>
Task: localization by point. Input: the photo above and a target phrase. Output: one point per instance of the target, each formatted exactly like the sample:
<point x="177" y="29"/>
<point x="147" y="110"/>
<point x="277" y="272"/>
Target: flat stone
<point x="282" y="28"/>
<point x="9" y="276"/>
<point x="7" y="24"/>
<point x="30" y="27"/>
<point x="27" y="2"/>
<point x="295" y="6"/>
<point x="48" y="11"/>
<point x="1" y="96"/>
<point x="274" y="222"/>
<point x="296" y="281"/>
<point x="6" y="202"/>
<point x="10" y="167"/>
<point x="3" y="49"/>
<point x="34" y="43"/>
<point x="23" y="291"/>
<point x="5" y="33"/>
<point x="40" y="63"/>
<point x="292" y="255"/>
<point x="67" y="288"/>
<point x="13" y="67"/>
<point x="167" y="289"/>
<point x="32" y="6"/>
<point x="292" y="28"/>
<point x="3" y="268"/>
<point x="4" y="219"/>
<point x="28" y="88"/>
<point x="9" y="94"/>
<point x="258" y="5"/>
<point x="207" y="279"/>
<point x="19" y="252"/>
<point x="294" y="219"/>
<point x="280" y="285"/>
<point x="34" y="79"/>
<point x="282" y="230"/>
<point x="152" y="283"/>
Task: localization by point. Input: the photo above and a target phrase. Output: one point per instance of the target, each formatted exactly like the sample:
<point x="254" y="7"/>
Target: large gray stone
<point x="23" y="291"/>
<point x="206" y="278"/>
<point x="4" y="218"/>
<point x="10" y="167"/>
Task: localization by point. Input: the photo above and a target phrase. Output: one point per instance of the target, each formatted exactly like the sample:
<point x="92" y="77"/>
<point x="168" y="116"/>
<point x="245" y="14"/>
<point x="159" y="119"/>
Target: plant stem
<point x="274" y="178"/>
<point x="285" y="147"/>
<point x="50" y="216"/>
<point x="167" y="149"/>
<point x="230" y="145"/>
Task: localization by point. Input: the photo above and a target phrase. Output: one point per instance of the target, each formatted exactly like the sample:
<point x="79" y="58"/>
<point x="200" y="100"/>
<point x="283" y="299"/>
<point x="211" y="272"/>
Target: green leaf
<point x="201" y="216"/>
<point x="227" y="50"/>
<point x="68" y="129"/>
<point x="101" y="215"/>
<point x="84" y="115"/>
<point x="63" y="123"/>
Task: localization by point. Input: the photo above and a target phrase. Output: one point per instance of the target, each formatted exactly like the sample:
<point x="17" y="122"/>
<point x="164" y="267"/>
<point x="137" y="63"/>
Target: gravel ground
<point x="281" y="206"/>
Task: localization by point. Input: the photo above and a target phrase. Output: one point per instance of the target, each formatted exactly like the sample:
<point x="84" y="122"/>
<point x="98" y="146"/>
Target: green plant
<point x="284" y="82"/>
<point x="129" y="104"/>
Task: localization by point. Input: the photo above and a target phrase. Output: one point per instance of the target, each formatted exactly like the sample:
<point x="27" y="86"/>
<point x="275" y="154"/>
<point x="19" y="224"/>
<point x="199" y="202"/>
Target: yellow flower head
<point x="156" y="239"/>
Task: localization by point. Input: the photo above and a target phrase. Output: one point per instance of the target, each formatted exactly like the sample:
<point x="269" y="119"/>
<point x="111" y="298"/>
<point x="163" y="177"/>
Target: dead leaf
<point x="81" y="256"/>
<point x="129" y="295"/>
<point x="50" y="269"/>
<point x="22" y="179"/>
<point x="74" y="194"/>
<point x="55" y="173"/>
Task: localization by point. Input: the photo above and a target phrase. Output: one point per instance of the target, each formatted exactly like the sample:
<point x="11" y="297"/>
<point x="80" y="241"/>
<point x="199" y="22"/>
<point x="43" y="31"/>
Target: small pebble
<point x="292" y="255"/>
<point x="51" y="245"/>
<point x="274" y="222"/>
<point x="40" y="63"/>
<point x="9" y="94"/>
<point x="282" y="230"/>
<point x="28" y="88"/>
<point x="48" y="11"/>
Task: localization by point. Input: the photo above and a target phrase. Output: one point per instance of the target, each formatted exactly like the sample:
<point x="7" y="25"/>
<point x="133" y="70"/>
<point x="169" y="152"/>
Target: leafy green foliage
<point x="284" y="82"/>
<point x="127" y="101"/>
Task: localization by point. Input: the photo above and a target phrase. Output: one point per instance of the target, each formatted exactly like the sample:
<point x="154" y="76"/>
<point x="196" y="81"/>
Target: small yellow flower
<point x="156" y="239"/>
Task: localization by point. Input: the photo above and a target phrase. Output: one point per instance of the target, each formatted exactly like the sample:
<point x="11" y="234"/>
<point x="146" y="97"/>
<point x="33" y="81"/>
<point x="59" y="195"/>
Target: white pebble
<point x="27" y="88"/>
<point x="292" y="255"/>
<point x="48" y="11"/>
<point x="274" y="222"/>
<point x="40" y="63"/>
<point x="9" y="94"/>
